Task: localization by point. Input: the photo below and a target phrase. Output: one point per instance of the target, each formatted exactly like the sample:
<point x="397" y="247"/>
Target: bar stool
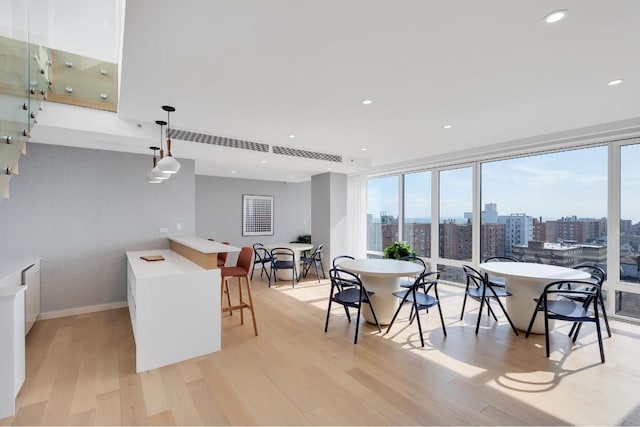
<point x="241" y="271"/>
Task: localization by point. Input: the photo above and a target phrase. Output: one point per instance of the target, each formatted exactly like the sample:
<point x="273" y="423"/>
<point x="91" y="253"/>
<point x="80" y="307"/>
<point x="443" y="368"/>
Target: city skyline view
<point x="551" y="186"/>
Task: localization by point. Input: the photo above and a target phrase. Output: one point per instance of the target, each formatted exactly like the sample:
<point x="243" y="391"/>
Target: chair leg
<point x="326" y="323"/>
<point x="444" y="329"/>
<point x="504" y="310"/>
<point x="533" y="319"/>
<point x="604" y="315"/>
<point x="241" y="300"/>
<point x="317" y="272"/>
<point x="393" y="319"/>
<point x="597" y="322"/>
<point x="482" y="301"/>
<point x="464" y="302"/>
<point x="415" y="305"/>
<point x="252" y="307"/>
<point x="546" y="331"/>
<point x="355" y="339"/>
<point x="224" y="289"/>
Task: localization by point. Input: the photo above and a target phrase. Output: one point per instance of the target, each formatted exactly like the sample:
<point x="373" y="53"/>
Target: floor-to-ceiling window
<point x="552" y="207"/>
<point x="628" y="303"/>
<point x="548" y="208"/>
<point x="382" y="212"/>
<point x="417" y="212"/>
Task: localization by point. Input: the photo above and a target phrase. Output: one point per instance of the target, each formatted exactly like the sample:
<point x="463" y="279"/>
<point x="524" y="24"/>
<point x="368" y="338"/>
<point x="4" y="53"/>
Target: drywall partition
<point x="81" y="210"/>
<point x="219" y="209"/>
<point x="329" y="217"/>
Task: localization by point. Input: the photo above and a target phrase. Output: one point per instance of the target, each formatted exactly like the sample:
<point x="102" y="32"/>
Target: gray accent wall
<point x="219" y="209"/>
<point x="81" y="210"/>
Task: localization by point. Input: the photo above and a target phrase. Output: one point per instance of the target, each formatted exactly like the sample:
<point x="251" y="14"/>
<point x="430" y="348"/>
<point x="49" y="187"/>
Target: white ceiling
<point x="261" y="70"/>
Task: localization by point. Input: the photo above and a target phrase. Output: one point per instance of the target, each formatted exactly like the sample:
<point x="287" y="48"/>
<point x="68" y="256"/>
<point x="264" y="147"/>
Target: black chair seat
<point x="499" y="282"/>
<point x="351" y="297"/>
<point x="283" y="264"/>
<point x="479" y="292"/>
<point x="422" y="300"/>
<point x="566" y="310"/>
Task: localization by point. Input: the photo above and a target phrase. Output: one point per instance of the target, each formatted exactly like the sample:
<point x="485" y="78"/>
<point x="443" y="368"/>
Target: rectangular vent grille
<point x="203" y="138"/>
<point x="307" y="154"/>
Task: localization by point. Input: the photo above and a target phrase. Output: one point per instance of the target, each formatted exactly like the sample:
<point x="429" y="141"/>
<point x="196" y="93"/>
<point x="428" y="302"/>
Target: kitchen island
<point x="174" y="306"/>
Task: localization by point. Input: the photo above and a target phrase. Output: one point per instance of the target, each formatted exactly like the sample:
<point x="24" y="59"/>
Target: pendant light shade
<point x="157" y="171"/>
<point x="168" y="164"/>
<point x="155" y="176"/>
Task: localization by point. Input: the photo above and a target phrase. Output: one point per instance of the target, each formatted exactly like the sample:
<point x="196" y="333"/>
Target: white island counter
<point x="174" y="306"/>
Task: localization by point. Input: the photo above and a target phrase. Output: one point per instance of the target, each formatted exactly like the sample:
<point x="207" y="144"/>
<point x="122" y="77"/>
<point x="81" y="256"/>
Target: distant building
<point x="572" y="228"/>
<point x="455" y="241"/>
<point x="418" y="235"/>
<point x="490" y="214"/>
<point x="518" y="230"/>
<point x="492" y="240"/>
<point x="562" y="254"/>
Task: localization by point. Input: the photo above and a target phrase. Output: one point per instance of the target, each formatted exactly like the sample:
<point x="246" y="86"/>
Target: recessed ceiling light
<point x="290" y="177"/>
<point x="363" y="149"/>
<point x="264" y="161"/>
<point x="367" y="101"/>
<point x="615" y="82"/>
<point x="328" y="169"/>
<point x="292" y="136"/>
<point x="233" y="171"/>
<point x="556" y="16"/>
<point x="447" y="126"/>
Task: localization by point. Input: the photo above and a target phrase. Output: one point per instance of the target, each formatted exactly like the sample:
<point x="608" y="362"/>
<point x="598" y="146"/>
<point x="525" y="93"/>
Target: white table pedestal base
<point x="384" y="302"/>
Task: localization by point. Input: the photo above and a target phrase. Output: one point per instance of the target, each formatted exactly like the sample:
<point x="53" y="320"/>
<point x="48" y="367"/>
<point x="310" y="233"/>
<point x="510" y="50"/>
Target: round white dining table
<point x="381" y="276"/>
<point x="297" y="249"/>
<point x="526" y="281"/>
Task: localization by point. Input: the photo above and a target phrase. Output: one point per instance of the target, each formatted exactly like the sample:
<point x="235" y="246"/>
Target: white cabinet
<point x="13" y="278"/>
<point x="174" y="307"/>
<point x="31" y="278"/>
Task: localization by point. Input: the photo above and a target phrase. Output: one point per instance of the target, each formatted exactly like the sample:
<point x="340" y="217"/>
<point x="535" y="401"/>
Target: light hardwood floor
<point x="80" y="371"/>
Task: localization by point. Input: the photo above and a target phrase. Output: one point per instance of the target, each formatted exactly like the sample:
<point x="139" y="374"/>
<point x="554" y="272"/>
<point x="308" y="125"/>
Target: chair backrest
<point x="584" y="288"/>
<point x="597" y="273"/>
<point x="261" y="253"/>
<point x="317" y="253"/>
<point x="335" y="263"/>
<point x="500" y="259"/>
<point x="282" y="252"/>
<point x="341" y="279"/>
<point x="425" y="281"/>
<point x="416" y="259"/>
<point x="474" y="276"/>
<point x="245" y="258"/>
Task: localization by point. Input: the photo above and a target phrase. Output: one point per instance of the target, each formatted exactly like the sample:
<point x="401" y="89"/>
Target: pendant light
<point x="156" y="171"/>
<point x="168" y="164"/>
<point x="151" y="177"/>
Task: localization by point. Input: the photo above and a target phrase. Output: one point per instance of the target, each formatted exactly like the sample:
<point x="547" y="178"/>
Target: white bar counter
<point x="174" y="306"/>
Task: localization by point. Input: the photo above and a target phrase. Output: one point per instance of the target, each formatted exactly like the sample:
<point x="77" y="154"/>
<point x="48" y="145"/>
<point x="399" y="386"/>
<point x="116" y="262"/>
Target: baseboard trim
<point x="81" y="310"/>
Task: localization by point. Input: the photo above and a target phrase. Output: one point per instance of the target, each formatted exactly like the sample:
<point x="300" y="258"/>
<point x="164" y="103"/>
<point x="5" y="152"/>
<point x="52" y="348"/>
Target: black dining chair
<point x="283" y="259"/>
<point x="598" y="277"/>
<point x="568" y="309"/>
<point x="348" y="291"/>
<point x="315" y="260"/>
<point x="481" y="290"/>
<point x="262" y="258"/>
<point x="496" y="280"/>
<point x="418" y="296"/>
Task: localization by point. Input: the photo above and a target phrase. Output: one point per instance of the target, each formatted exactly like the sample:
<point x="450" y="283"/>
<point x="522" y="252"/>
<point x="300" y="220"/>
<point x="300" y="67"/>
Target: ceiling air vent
<point x="307" y="154"/>
<point x="203" y="138"/>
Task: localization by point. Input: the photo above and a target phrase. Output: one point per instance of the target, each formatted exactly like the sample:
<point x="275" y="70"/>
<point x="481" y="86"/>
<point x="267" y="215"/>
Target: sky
<point x="549" y="185"/>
